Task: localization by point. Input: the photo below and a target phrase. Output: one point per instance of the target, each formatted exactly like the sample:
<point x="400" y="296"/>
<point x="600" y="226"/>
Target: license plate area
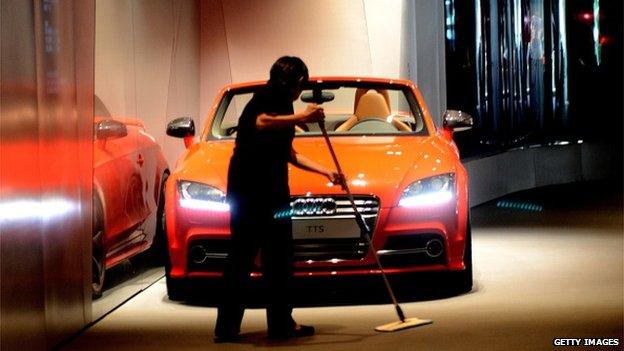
<point x="325" y="228"/>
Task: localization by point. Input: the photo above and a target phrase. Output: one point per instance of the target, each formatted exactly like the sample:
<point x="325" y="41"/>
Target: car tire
<point x="176" y="288"/>
<point x="158" y="251"/>
<point x="98" y="254"/>
<point x="463" y="280"/>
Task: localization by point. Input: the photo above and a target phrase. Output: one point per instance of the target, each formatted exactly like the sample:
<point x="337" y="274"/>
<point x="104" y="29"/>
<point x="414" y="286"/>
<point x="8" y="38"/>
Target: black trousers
<point x="254" y="232"/>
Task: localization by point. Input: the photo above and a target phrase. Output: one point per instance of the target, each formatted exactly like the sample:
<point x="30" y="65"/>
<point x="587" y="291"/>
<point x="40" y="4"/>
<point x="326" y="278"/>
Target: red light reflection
<point x="586" y="17"/>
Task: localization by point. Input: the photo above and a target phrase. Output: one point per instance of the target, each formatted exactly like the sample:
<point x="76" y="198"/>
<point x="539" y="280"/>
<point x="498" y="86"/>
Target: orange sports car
<point x="128" y="175"/>
<point x="405" y="174"/>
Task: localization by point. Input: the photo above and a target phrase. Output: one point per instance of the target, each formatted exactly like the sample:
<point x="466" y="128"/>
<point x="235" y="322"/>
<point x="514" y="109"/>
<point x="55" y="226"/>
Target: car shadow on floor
<point x="339" y="291"/>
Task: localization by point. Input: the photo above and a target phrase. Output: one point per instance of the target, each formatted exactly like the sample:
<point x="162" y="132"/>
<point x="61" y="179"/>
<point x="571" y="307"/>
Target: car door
<point x="114" y="171"/>
<point x="146" y="167"/>
<point x="151" y="164"/>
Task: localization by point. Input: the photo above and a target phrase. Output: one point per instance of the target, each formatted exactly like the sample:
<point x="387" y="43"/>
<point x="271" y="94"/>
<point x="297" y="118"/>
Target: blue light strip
<point x="524" y="206"/>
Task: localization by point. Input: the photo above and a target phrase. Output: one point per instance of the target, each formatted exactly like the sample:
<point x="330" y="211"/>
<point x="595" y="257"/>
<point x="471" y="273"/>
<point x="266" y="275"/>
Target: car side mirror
<point x="456" y="120"/>
<point x="182" y="127"/>
<point x="110" y="129"/>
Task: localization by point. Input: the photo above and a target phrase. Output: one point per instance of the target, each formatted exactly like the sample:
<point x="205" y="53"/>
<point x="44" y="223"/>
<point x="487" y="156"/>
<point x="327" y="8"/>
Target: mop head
<point x="398" y="325"/>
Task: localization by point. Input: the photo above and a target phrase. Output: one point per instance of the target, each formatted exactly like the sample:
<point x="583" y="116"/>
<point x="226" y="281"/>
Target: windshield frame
<point x="411" y="98"/>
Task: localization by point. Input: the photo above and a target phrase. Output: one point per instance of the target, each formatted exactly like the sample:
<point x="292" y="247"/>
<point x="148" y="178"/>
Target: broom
<point x="402" y="323"/>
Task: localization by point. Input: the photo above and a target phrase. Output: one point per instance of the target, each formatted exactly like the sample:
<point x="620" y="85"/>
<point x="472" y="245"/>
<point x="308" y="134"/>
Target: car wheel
<point x="463" y="279"/>
<point x="159" y="248"/>
<point x="176" y="288"/>
<point x="98" y="255"/>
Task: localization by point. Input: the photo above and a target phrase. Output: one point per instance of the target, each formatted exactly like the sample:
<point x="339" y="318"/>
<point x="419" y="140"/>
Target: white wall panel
<point x="114" y="56"/>
<point x="382" y="38"/>
<point x="215" y="68"/>
<point x="330" y="36"/>
<point x="147" y="62"/>
<point x="183" y="98"/>
<point x="155" y="24"/>
<point x="167" y="66"/>
<point x="385" y="35"/>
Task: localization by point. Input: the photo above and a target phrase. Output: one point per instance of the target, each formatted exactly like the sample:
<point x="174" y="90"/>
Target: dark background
<point x="571" y="92"/>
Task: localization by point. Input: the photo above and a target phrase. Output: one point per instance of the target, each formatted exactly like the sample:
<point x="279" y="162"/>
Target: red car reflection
<point x="128" y="177"/>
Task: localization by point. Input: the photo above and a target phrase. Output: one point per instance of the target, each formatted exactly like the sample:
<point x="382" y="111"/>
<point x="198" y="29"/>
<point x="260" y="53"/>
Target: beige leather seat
<point x="372" y="104"/>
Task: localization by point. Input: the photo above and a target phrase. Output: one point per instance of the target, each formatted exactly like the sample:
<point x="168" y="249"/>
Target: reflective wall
<point x="46" y="104"/>
<point x="146" y="73"/>
<point x="147" y="63"/>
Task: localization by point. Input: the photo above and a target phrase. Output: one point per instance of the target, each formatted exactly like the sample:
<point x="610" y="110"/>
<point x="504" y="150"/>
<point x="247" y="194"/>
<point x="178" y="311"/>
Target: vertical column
<point x="426" y="57"/>
<point x="65" y="145"/>
<point x="22" y="318"/>
<point x="46" y="99"/>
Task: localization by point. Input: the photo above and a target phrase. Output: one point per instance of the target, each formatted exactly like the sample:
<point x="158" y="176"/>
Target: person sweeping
<point x="257" y="190"/>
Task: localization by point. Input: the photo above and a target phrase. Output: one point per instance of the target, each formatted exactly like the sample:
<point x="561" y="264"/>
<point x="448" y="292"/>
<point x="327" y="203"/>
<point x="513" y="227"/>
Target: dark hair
<point x="288" y="72"/>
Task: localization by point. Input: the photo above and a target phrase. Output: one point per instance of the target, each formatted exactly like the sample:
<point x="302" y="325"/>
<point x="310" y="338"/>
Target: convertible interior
<point x="354" y="111"/>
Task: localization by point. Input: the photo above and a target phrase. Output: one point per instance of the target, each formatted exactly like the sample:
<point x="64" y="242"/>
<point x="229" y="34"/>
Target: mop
<point x="402" y="323"/>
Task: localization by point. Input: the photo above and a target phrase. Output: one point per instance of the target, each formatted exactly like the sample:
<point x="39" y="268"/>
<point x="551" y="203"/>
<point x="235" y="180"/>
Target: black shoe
<point x="226" y="338"/>
<point x="298" y="331"/>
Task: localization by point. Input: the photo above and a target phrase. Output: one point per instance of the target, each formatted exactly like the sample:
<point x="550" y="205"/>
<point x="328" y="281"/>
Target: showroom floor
<point x="548" y="264"/>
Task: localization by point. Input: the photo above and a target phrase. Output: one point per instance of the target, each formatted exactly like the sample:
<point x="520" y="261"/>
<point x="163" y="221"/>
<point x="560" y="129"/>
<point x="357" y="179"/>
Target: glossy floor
<point x="540" y="273"/>
<point x="124" y="281"/>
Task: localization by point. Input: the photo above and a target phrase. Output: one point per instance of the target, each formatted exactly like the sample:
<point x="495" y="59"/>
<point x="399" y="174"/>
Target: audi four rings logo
<point x="313" y="206"/>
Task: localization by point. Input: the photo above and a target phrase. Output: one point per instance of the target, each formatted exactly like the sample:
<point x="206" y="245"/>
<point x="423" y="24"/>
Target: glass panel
<point x="532" y="71"/>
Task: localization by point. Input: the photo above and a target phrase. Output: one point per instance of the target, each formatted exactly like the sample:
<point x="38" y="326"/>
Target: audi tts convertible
<point x="404" y="172"/>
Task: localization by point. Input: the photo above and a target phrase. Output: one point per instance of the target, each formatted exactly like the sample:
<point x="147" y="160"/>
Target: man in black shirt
<point x="257" y="191"/>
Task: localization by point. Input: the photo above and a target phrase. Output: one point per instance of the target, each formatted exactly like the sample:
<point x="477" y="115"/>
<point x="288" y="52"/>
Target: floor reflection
<point x="124" y="281"/>
<point x="538" y="276"/>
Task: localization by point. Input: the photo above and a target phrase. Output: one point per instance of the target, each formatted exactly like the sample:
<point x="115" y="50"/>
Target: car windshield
<point x="349" y="110"/>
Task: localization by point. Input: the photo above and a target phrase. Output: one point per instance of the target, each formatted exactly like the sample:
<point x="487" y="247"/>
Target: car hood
<point x="381" y="166"/>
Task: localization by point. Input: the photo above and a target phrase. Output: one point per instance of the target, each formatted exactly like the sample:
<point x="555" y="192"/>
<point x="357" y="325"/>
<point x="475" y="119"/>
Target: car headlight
<point x="201" y="196"/>
<point x="429" y="191"/>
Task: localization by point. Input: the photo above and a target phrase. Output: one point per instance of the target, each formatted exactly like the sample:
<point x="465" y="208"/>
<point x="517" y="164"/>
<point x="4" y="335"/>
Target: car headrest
<point x="361" y="91"/>
<point x="372" y="105"/>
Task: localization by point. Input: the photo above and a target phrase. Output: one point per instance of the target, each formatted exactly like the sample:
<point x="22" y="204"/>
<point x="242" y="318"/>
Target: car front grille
<point x="329" y="208"/>
<point x="333" y="206"/>
<point x="210" y="254"/>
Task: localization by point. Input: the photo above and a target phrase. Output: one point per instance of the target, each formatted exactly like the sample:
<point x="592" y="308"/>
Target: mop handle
<point x="361" y="221"/>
